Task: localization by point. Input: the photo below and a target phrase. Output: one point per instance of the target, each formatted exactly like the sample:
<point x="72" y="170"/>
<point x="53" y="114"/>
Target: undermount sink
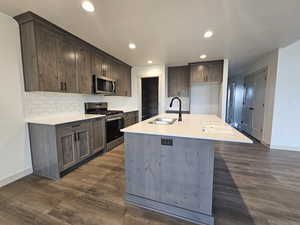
<point x="163" y="121"/>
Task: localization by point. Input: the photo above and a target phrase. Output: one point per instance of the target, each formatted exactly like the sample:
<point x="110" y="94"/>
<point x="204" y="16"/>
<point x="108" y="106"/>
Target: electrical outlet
<point x="165" y="141"/>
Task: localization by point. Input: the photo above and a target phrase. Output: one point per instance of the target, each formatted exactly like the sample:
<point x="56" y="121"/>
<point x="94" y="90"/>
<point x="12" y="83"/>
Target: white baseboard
<point x="15" y="177"/>
<point x="283" y="147"/>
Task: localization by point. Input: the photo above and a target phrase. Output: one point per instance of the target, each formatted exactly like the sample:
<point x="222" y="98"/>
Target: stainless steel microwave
<point x="104" y="85"/>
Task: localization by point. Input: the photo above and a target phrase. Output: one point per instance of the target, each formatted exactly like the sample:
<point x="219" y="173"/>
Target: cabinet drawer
<point x="74" y="125"/>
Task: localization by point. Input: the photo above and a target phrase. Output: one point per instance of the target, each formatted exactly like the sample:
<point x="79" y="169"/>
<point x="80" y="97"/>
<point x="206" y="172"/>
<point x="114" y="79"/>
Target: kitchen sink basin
<point x="163" y="121"/>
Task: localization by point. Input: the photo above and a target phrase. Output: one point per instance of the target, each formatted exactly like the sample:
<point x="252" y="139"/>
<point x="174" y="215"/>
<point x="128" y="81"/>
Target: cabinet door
<point x="127" y="83"/>
<point x="46" y="42"/>
<point x="98" y="135"/>
<point x="66" y="145"/>
<point x="215" y="72"/>
<point x="98" y="61"/>
<point x="178" y="81"/>
<point x="172" y="82"/>
<point x="183" y="81"/>
<point x="207" y="72"/>
<point x="198" y="73"/>
<point x="131" y="118"/>
<point x="117" y="75"/>
<point x="106" y="67"/>
<point x="83" y="69"/>
<point x="83" y="144"/>
<point x="67" y="65"/>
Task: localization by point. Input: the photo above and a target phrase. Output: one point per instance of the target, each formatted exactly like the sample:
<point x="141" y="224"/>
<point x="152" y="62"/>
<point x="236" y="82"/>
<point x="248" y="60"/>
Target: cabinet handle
<point x="75" y="137"/>
<point x="78" y="137"/>
<point x="61" y="86"/>
<point x="65" y="86"/>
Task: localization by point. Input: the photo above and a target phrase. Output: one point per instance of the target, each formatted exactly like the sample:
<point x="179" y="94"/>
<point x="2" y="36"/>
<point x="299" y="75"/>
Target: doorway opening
<point x="149" y="97"/>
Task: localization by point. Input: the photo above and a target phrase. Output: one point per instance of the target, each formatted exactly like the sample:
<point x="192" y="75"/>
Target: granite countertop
<point x="62" y="119"/>
<point x="207" y="127"/>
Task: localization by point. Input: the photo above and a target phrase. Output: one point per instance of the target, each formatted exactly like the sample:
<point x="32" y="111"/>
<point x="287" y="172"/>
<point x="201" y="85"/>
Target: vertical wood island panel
<point x="174" y="179"/>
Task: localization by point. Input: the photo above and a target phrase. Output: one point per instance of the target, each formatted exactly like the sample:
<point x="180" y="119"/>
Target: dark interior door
<point x="149" y="97"/>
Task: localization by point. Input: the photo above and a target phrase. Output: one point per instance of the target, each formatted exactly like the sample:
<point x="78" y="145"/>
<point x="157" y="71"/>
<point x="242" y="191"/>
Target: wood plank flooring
<point x="252" y="186"/>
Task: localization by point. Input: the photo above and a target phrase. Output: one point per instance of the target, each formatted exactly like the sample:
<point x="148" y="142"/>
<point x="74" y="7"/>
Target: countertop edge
<point x="186" y="136"/>
<point x="33" y="121"/>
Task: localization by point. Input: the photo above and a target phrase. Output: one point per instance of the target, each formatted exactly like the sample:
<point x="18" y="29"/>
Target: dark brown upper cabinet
<point x="109" y="67"/>
<point x="84" y="69"/>
<point x="97" y="62"/>
<point x="41" y="62"/>
<point x="207" y="71"/>
<point x="178" y="81"/>
<point x="55" y="60"/>
<point x="106" y="67"/>
<point x="124" y="80"/>
<point x="67" y="64"/>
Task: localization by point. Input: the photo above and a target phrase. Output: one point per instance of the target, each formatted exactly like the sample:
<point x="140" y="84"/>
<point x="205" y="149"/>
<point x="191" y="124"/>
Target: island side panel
<point x="187" y="174"/>
<point x="44" y="150"/>
<point x="142" y="165"/>
<point x="176" y="180"/>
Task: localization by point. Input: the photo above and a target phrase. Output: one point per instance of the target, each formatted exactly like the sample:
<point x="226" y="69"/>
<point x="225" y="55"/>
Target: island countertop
<point x="206" y="127"/>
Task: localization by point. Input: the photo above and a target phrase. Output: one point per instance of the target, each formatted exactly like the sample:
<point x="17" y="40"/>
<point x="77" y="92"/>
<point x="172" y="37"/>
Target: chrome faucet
<point x="180" y="114"/>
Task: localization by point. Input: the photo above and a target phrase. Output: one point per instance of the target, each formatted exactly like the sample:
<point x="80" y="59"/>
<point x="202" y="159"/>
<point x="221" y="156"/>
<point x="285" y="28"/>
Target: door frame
<point x="140" y="92"/>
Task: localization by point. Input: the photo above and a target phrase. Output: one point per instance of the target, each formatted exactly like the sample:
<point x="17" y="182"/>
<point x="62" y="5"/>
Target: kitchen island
<point x="169" y="165"/>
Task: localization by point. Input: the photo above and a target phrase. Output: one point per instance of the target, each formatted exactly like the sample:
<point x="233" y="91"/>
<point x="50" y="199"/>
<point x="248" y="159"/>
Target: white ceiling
<point x="171" y="31"/>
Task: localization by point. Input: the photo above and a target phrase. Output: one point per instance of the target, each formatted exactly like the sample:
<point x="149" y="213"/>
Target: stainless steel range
<point x="114" y="122"/>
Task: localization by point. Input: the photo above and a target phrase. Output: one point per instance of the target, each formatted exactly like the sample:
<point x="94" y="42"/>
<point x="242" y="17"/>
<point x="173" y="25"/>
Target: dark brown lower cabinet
<point x="131" y="118"/>
<point x="57" y="148"/>
<point x="83" y="142"/>
<point x="66" y="147"/>
<point x="98" y="137"/>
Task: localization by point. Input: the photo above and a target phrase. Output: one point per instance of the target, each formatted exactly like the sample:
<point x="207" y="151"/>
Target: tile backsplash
<point x="37" y="104"/>
<point x="40" y="104"/>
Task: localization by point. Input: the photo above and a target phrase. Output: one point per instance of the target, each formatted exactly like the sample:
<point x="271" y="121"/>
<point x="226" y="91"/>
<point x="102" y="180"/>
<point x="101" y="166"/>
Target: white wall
<point x="286" y="115"/>
<point x="270" y="61"/>
<point x="15" y="160"/>
<point x="205" y="98"/>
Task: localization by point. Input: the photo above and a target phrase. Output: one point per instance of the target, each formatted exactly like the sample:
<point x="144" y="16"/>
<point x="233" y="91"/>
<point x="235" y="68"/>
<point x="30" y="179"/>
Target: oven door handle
<point x="115" y="118"/>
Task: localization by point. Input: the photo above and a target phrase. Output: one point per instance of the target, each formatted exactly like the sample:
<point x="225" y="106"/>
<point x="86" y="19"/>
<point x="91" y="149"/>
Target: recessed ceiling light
<point x="203" y="56"/>
<point x="88" y="6"/>
<point x="208" y="34"/>
<point x="132" y="46"/>
<point x="149" y="62"/>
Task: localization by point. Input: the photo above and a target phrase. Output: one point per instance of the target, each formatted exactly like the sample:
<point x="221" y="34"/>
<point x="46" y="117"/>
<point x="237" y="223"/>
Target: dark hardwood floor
<point x="251" y="186"/>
